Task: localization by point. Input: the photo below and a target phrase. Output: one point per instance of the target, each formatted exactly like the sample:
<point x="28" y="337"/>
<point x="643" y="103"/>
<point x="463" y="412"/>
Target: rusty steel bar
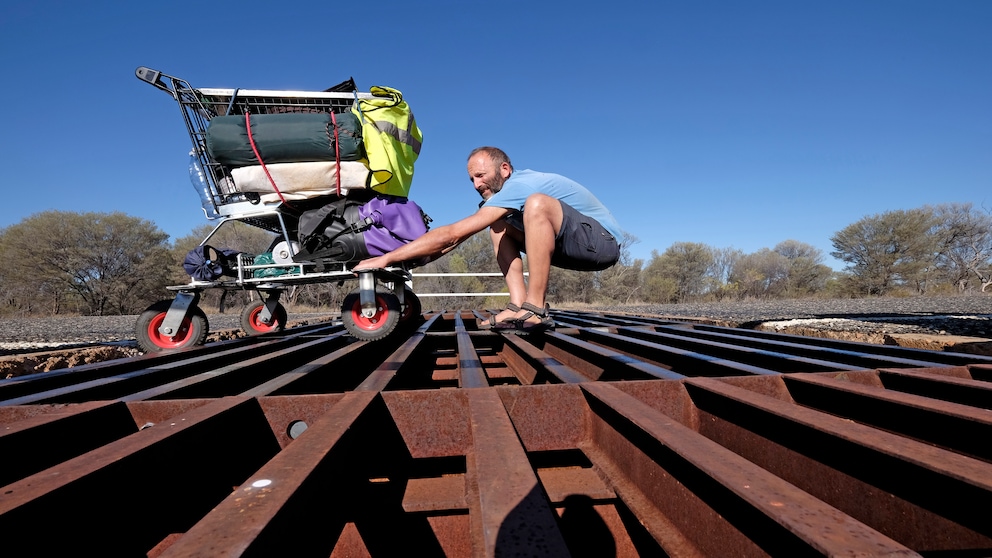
<point x="852" y="346"/>
<point x="470" y="372"/>
<point x="848" y="465"/>
<point x="819" y="353"/>
<point x="380" y="378"/>
<point x="540" y="361"/>
<point x="233" y="378"/>
<point x="752" y="354"/>
<point x="735" y="505"/>
<point x="265" y="508"/>
<point x="37" y="442"/>
<point x="134" y="492"/>
<point x="957" y="427"/>
<point x="513" y="514"/>
<point x="679" y="360"/>
<point x="590" y="319"/>
<point x="601" y="363"/>
<point x="939" y="384"/>
<point x="110" y="382"/>
<point x="286" y="381"/>
<point x="610" y="436"/>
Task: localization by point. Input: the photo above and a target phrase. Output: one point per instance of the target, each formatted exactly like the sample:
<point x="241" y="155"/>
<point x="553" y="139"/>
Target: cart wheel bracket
<point x="265" y="315"/>
<point x="178" y="312"/>
<point x="366" y="293"/>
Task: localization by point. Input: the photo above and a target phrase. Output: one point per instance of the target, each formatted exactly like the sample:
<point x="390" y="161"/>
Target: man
<point x="554" y="220"/>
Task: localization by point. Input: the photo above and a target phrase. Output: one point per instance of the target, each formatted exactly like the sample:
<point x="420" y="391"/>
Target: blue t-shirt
<point x="523" y="183"/>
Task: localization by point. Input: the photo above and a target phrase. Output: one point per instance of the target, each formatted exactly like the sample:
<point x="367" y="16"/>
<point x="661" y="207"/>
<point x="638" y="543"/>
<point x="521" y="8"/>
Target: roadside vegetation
<point x="70" y="263"/>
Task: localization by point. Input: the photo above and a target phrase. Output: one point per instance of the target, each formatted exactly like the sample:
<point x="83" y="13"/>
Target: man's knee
<point x="540" y="203"/>
<point x="544" y="208"/>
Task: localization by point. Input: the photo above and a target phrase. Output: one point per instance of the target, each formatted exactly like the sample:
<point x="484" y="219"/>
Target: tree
<point x="567" y="285"/>
<point x="679" y="274"/>
<point x="724" y="261"/>
<point x="966" y="236"/>
<point x="807" y="274"/>
<point x="110" y="262"/>
<point x="762" y="274"/>
<point x="621" y="282"/>
<point x="889" y="250"/>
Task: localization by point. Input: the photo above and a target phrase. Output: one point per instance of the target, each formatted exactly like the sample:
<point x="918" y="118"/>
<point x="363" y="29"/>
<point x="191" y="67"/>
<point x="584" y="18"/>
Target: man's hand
<point x="437" y="242"/>
<point x="378" y="262"/>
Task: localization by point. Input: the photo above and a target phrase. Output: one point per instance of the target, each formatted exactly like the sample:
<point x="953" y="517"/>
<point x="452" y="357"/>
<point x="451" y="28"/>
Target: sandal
<point x="521" y="326"/>
<point x="491" y="322"/>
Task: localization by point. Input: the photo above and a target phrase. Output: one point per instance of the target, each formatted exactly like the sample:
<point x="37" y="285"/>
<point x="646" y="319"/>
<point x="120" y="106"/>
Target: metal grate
<point x="613" y="435"/>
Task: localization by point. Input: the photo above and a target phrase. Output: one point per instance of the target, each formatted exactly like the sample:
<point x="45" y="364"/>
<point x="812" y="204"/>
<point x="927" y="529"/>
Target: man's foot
<point x="506" y="316"/>
<point x="531" y="319"/>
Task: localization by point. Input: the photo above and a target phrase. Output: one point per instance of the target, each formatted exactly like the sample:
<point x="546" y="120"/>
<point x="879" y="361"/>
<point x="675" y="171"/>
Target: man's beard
<point x="495" y="186"/>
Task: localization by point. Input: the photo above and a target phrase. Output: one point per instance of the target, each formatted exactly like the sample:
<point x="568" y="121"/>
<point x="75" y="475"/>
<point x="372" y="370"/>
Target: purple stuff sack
<point x="394" y="222"/>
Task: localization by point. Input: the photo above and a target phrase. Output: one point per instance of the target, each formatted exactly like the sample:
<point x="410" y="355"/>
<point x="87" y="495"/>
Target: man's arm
<point x="439" y="241"/>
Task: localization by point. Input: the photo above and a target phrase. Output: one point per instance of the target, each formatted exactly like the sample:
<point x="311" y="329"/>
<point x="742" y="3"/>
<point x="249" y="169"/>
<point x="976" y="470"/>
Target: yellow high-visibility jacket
<point x="392" y="140"/>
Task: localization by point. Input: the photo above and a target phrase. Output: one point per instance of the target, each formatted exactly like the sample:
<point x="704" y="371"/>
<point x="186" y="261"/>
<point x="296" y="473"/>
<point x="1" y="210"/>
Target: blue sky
<point x="734" y="124"/>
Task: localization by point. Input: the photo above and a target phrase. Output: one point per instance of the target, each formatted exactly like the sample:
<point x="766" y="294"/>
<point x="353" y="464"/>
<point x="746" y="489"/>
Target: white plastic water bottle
<point x="200" y="184"/>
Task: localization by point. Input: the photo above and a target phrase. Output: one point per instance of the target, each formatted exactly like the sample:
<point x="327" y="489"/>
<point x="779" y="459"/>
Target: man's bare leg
<point x="542" y="221"/>
<point x="507" y="241"/>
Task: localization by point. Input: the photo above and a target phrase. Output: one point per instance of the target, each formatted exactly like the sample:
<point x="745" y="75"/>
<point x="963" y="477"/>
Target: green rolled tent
<point x="285" y="138"/>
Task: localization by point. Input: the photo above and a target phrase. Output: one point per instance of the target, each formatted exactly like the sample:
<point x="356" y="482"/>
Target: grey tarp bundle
<point x="284" y="138"/>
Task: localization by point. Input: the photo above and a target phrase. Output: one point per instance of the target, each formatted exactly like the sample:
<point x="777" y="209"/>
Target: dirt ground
<point x="14" y="365"/>
<point x="965" y="328"/>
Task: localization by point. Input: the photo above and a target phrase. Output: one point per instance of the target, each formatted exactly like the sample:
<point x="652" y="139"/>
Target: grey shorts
<point x="582" y="243"/>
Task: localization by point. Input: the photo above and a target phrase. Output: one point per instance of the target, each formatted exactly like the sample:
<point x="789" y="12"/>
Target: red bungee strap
<point x="337" y="152"/>
<point x="254" y="149"/>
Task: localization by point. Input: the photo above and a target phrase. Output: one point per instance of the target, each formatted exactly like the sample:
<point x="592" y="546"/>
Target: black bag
<point x="350" y="230"/>
<point x="329" y="233"/>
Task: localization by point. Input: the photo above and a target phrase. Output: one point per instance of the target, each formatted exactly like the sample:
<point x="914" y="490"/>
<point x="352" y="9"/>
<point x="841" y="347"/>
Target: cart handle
<point x="154" y="77"/>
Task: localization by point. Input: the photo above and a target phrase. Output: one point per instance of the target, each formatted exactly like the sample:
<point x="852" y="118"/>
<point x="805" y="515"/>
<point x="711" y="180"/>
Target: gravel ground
<point x="956" y="315"/>
<point x="967" y="315"/>
<point x="19" y="334"/>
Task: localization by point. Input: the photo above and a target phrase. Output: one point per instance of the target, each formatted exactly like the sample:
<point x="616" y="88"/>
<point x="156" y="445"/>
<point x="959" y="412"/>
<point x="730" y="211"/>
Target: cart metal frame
<point x="365" y="313"/>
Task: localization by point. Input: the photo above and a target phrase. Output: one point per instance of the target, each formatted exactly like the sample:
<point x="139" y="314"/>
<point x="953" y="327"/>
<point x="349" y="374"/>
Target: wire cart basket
<point x="383" y="298"/>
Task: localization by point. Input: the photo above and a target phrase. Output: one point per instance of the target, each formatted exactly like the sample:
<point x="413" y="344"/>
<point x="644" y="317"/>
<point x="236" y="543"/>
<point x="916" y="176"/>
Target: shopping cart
<point x="383" y="299"/>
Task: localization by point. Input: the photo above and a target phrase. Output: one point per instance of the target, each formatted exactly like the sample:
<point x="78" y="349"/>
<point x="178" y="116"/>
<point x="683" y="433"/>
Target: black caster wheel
<point x="253" y="325"/>
<point x="192" y="331"/>
<point x="379" y="325"/>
